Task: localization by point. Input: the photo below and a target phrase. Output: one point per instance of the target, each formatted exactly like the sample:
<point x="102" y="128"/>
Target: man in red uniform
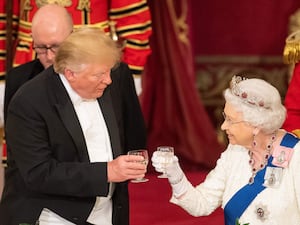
<point x="292" y="56"/>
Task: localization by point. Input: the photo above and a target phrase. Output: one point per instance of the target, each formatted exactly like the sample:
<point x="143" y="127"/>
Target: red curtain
<point x="170" y="101"/>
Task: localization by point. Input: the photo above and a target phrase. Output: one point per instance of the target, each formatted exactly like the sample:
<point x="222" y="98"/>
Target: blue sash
<point x="240" y="201"/>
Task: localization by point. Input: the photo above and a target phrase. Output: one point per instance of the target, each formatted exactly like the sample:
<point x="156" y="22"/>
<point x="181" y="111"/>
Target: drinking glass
<point x="144" y="153"/>
<point x="166" y="153"/>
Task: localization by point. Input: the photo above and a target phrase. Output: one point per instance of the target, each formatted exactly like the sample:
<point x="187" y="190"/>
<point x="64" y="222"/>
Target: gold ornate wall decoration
<point x="64" y="3"/>
<point x="84" y="5"/>
<point x="180" y="22"/>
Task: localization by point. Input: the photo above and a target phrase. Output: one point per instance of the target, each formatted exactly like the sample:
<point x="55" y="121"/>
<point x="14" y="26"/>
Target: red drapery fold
<point x="170" y="101"/>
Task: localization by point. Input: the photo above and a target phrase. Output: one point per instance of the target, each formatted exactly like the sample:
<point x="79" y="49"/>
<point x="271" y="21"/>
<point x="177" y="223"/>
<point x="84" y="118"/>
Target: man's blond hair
<point x="86" y="46"/>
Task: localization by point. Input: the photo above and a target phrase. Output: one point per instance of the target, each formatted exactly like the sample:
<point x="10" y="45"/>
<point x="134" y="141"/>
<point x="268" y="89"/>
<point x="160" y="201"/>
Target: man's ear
<point x="69" y="74"/>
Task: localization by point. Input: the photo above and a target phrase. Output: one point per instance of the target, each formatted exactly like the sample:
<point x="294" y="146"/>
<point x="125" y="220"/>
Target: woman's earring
<point x="254" y="141"/>
<point x="255" y="132"/>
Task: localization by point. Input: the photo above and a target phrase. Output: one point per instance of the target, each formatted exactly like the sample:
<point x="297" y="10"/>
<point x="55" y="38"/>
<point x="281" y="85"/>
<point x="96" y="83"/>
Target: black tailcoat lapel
<point x="66" y="111"/>
<point x="111" y="122"/>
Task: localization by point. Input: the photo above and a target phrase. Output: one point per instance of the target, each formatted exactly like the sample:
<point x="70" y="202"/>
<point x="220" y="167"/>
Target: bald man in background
<point x="51" y="25"/>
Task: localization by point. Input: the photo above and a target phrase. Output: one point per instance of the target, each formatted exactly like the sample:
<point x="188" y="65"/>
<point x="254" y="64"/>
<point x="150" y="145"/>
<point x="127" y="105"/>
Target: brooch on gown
<point x="262" y="212"/>
<point x="282" y="156"/>
<point x="273" y="177"/>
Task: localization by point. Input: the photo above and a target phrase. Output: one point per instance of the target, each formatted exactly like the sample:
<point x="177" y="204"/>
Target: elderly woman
<point x="256" y="179"/>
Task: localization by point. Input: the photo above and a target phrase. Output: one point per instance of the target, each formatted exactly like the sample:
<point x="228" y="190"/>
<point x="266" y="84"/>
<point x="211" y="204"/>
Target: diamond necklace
<point x="266" y="158"/>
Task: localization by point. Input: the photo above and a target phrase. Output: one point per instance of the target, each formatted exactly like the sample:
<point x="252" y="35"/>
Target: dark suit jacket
<point x="48" y="163"/>
<point x="16" y="77"/>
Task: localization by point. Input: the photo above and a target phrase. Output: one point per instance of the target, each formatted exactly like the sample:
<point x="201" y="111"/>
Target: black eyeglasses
<point x="44" y="49"/>
<point x="229" y="121"/>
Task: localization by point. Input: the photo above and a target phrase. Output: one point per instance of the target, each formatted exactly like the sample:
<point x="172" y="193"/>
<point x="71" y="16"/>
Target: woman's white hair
<point x="259" y="102"/>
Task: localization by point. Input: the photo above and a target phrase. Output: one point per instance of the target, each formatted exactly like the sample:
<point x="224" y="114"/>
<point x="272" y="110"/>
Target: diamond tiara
<point x="246" y="97"/>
